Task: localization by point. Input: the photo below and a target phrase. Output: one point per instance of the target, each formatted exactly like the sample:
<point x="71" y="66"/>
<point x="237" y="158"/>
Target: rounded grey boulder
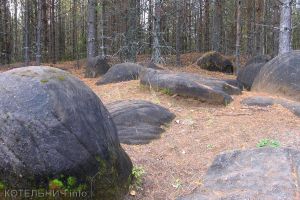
<point x="52" y="124"/>
<point x="248" y="73"/>
<point x="120" y="73"/>
<point x="280" y="76"/>
<point x="96" y="66"/>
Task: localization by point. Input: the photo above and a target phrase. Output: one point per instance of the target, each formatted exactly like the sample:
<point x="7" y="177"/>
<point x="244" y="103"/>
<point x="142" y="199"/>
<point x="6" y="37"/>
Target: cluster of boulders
<point x="55" y="130"/>
<point x="56" y="134"/>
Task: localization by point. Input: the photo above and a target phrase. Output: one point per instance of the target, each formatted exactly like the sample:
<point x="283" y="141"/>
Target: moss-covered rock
<point x="57" y="129"/>
<point x="214" y="61"/>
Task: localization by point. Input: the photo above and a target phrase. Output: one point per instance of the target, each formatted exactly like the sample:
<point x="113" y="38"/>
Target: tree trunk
<point x="53" y="37"/>
<point x="46" y="48"/>
<point x="238" y="35"/>
<point x="38" y="33"/>
<point x="91" y="29"/>
<point x="26" y="33"/>
<point x="156" y="53"/>
<point x="16" y="51"/>
<point x="131" y="33"/>
<point x="199" y="36"/>
<point x="207" y="26"/>
<point x="285" y="27"/>
<point x="217" y="23"/>
<point x="178" y="32"/>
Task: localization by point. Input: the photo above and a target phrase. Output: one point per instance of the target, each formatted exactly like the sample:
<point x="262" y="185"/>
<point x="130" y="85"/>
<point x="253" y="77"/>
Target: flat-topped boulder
<point x="266" y="173"/>
<point x="214" y="61"/>
<point x="280" y="76"/>
<point x="54" y="127"/>
<point x="190" y="85"/>
<point x="120" y="73"/>
<point x="139" y="122"/>
<point x="260" y="101"/>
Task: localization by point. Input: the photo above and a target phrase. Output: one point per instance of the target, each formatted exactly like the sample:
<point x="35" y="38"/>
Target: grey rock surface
<point x="120" y="73"/>
<point x="185" y="84"/>
<point x="96" y="66"/>
<point x="264" y="174"/>
<point x="280" y="76"/>
<point x="52" y="124"/>
<point x="139" y="122"/>
<point x="292" y="106"/>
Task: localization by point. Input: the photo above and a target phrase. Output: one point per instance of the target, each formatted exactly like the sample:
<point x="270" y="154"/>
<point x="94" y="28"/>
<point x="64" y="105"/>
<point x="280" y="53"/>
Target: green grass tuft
<point x="268" y="143"/>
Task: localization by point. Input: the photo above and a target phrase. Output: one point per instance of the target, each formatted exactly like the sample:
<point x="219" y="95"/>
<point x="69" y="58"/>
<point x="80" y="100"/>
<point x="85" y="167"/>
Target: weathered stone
<point x="266" y="173"/>
<point x="247" y="74"/>
<point x="139" y="122"/>
<point x="205" y="89"/>
<point x="280" y="76"/>
<point x="120" y="73"/>
<point x="259" y="59"/>
<point x="292" y="106"/>
<point x="52" y="124"/>
<point x="96" y="66"/>
<point x="214" y="61"/>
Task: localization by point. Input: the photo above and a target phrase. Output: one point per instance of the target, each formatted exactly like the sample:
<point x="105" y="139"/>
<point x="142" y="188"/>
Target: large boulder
<point x="214" y="61"/>
<point x="248" y="73"/>
<point x="259" y="59"/>
<point x="96" y="66"/>
<point x="203" y="88"/>
<point x="54" y="127"/>
<point x="280" y="76"/>
<point x="120" y="73"/>
<point x="139" y="122"/>
<point x="266" y="173"/>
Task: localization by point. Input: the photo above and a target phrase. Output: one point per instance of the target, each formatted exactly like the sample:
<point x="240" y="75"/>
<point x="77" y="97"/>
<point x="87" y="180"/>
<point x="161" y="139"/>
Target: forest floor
<point x="175" y="164"/>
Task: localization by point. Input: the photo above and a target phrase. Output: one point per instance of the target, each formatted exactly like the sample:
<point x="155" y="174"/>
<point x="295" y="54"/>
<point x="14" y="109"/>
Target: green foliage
<point x="137" y="176"/>
<point x="2" y="186"/>
<point x="268" y="143"/>
<point x="44" y="81"/>
<point x="56" y="184"/>
<point x="71" y="184"/>
<point x="71" y="181"/>
<point x="61" y="78"/>
<point x="166" y="91"/>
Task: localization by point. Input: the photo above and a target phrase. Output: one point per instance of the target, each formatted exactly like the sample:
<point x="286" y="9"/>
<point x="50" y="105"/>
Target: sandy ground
<point x="176" y="163"/>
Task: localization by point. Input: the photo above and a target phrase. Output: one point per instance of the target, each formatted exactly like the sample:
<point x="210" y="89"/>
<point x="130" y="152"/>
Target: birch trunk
<point x="285" y="27"/>
<point x="91" y="29"/>
<point x="156" y="54"/>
